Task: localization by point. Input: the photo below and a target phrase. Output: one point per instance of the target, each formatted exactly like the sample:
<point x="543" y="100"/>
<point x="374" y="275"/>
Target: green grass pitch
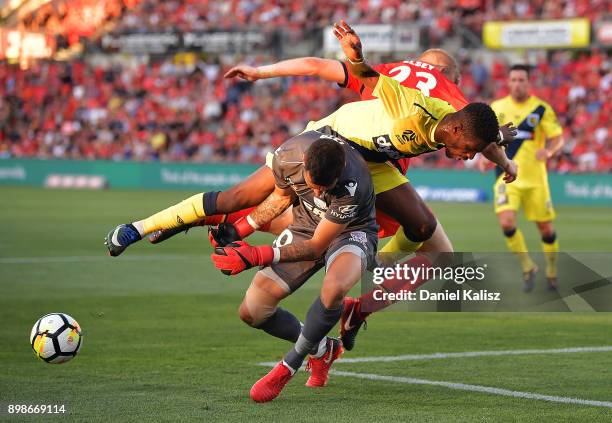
<point x="163" y="342"/>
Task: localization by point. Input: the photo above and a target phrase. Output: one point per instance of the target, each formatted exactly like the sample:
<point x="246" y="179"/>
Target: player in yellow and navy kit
<point x="539" y="138"/>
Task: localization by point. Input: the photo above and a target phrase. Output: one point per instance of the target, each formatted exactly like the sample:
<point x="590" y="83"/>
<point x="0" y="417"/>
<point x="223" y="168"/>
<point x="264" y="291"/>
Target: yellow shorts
<point x="535" y="200"/>
<point x="385" y="176"/>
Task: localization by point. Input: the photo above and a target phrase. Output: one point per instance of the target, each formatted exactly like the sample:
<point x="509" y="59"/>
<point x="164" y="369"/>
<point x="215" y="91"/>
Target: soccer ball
<point x="56" y="338"/>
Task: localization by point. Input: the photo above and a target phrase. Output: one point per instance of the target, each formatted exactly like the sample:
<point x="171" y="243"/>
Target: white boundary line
<point x="474" y="388"/>
<point x="101" y="257"/>
<point x="436" y="356"/>
<point x="468" y="387"/>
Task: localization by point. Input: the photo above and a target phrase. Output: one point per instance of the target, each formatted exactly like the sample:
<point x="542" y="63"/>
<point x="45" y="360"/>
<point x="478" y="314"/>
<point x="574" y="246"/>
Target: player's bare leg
<point x="418" y="223"/>
<point x="438" y="243"/>
<point x="342" y="274"/>
<point x="516" y="243"/>
<point x="550" y="246"/>
<point x="259" y="309"/>
<point x="194" y="210"/>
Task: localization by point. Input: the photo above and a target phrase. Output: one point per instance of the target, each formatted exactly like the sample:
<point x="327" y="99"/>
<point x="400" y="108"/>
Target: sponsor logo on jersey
<point x="360" y="237"/>
<point x="347" y="209"/>
<point x="345" y="212"/>
<point x="384" y="145"/>
<point x="407" y="136"/>
<point x="533" y="119"/>
<point x="351" y="186"/>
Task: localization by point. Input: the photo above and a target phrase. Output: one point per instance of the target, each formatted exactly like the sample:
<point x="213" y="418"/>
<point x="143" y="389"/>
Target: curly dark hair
<point x="481" y="122"/>
<point x="324" y="161"/>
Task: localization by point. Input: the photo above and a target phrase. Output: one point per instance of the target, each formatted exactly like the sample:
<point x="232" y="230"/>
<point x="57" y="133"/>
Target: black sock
<point x="209" y="201"/>
<point x="319" y="321"/>
<point x="283" y="325"/>
<point x="132" y="227"/>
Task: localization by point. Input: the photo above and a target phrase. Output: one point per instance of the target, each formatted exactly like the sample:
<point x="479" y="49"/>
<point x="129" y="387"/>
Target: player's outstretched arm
<point x="329" y="70"/>
<point x="351" y="45"/>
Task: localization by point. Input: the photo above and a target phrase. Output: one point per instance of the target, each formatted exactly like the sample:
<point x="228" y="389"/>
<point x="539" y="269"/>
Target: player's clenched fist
<point x="225" y="233"/>
<point x="239" y="256"/>
<point x="349" y="41"/>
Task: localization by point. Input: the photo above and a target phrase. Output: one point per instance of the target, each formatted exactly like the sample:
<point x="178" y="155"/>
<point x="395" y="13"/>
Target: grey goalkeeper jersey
<point x="351" y="201"/>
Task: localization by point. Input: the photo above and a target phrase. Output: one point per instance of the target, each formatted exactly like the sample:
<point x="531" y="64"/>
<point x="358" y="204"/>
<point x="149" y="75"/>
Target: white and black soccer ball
<point x="56" y="338"/>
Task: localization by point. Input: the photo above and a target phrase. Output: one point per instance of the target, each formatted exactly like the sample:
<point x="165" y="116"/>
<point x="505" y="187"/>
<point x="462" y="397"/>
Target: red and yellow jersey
<point x="536" y="122"/>
<point x="400" y="122"/>
<point x="411" y="74"/>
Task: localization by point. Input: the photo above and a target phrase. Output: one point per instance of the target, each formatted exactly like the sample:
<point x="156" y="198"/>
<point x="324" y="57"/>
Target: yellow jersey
<point x="536" y="122"/>
<point x="400" y="122"/>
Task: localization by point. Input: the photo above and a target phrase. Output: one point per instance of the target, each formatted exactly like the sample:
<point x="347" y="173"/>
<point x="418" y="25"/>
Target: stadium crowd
<point x="166" y="111"/>
<point x="163" y="110"/>
<point x="438" y="18"/>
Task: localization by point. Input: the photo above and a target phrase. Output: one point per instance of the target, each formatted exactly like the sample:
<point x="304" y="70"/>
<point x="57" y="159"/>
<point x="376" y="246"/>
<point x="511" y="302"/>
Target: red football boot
<point x="351" y="321"/>
<point x="319" y="367"/>
<point x="270" y="386"/>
